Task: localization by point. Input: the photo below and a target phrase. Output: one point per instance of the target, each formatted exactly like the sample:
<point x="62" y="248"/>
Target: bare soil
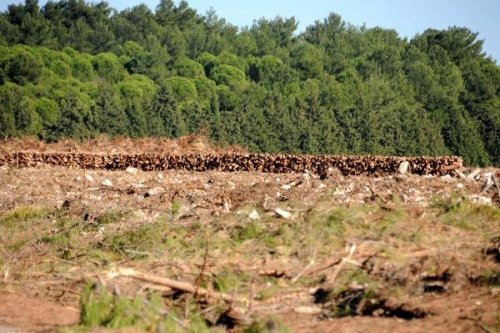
<point x="185" y="145"/>
<point x="399" y="253"/>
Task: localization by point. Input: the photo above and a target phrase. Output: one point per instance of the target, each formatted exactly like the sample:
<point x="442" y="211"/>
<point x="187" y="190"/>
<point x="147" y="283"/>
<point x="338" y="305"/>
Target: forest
<point x="77" y="69"/>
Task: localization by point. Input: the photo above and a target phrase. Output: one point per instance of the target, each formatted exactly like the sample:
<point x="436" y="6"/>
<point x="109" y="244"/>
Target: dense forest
<point x="77" y="69"/>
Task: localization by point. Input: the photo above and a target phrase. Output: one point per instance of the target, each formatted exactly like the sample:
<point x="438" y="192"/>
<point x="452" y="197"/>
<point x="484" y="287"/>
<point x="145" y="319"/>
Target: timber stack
<point x="233" y="162"/>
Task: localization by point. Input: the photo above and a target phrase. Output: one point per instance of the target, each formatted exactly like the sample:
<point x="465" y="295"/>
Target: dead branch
<point x="178" y="285"/>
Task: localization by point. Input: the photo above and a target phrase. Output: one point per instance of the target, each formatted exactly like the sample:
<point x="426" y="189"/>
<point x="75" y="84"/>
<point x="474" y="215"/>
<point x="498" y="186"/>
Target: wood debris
<point x="233" y="162"/>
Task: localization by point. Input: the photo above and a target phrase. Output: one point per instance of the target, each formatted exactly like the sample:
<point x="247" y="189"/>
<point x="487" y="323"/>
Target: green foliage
<point x="145" y="238"/>
<point x="189" y="68"/>
<point x="23" y="67"/>
<point x="183" y="89"/>
<point x="228" y="75"/>
<point x="228" y="282"/>
<point x="18" y="217"/>
<point x="107" y="65"/>
<point x="101" y="308"/>
<point x="74" y="69"/>
<point x="464" y="214"/>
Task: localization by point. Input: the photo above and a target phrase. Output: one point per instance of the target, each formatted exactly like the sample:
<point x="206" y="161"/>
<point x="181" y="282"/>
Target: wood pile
<point x="232" y="162"/>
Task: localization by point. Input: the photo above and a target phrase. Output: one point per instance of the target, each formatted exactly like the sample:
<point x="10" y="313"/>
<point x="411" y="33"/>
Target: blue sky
<point x="408" y="17"/>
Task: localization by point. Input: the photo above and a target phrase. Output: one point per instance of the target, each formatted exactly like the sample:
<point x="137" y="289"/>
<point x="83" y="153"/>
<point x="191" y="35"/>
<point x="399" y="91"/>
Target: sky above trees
<point x="408" y="17"/>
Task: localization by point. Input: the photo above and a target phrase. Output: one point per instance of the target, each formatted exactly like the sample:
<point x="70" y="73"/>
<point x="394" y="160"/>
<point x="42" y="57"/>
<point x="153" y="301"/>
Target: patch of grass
<point x="272" y="288"/>
<point x="463" y="214"/>
<point x="269" y="325"/>
<point x="388" y="221"/>
<point x="366" y="222"/>
<point x="228" y="281"/>
<point x="155" y="239"/>
<point x="101" y="308"/>
<point x="102" y="257"/>
<point x="445" y="205"/>
<point x="18" y="217"/>
<point x="65" y="240"/>
<point x="143" y="238"/>
<point x="16" y="225"/>
<point x="175" y="209"/>
<point x="348" y="278"/>
<point x="251" y="230"/>
<point x="334" y="224"/>
<point x="111" y="217"/>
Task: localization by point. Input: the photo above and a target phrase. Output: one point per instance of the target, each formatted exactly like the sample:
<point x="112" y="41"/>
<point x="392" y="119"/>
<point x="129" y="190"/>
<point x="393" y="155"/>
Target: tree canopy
<point x="73" y="68"/>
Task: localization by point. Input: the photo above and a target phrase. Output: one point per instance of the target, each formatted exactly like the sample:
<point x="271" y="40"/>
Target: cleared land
<point x="98" y="250"/>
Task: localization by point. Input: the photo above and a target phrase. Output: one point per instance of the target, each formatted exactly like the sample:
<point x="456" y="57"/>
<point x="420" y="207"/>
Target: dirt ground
<point x="295" y="253"/>
<point x="185" y="145"/>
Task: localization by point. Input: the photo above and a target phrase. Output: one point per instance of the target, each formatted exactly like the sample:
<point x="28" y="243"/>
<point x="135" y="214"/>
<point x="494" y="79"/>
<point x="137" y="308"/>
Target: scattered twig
<point x="138" y="252"/>
<point x="6" y="275"/>
<point x="34" y="244"/>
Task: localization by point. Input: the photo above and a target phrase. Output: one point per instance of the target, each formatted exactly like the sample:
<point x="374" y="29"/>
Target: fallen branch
<point x="178" y="285"/>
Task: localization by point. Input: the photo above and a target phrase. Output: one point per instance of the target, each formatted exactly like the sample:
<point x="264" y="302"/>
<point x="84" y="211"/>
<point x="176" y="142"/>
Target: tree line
<point x="78" y="69"/>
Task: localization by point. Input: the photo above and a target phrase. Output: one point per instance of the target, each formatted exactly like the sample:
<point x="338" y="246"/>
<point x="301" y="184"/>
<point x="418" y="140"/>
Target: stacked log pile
<point x="232" y="162"/>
